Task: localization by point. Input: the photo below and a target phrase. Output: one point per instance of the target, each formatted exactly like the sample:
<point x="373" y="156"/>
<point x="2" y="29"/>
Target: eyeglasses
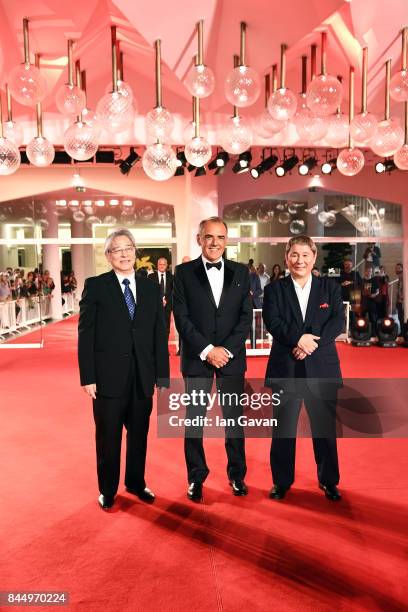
<point x="125" y="251"/>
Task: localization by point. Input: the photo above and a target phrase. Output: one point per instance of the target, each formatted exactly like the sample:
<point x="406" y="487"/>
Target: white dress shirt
<point x="132" y="283"/>
<point x="303" y="294"/>
<point x="216" y="280"/>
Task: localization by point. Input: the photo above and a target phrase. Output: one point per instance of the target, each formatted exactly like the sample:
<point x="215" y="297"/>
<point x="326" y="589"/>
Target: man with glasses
<point x="213" y="313"/>
<point x="122" y="353"/>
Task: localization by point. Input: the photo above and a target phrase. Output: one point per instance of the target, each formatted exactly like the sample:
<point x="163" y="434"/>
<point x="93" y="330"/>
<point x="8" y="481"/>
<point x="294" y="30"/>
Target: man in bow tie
<point x="123" y="354"/>
<point x="304" y="314"/>
<point x="213" y="314"/>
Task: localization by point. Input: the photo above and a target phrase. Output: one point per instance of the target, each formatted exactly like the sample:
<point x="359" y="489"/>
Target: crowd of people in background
<point x="16" y="284"/>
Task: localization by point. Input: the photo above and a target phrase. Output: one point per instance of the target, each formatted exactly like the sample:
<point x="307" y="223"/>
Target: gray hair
<point x="213" y="220"/>
<point x="120" y="232"/>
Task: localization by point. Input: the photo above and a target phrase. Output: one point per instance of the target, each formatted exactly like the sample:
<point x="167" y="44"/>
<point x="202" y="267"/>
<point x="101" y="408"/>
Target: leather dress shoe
<point x="195" y="491"/>
<point x="239" y="488"/>
<point x="106" y="501"/>
<point x="145" y="494"/>
<point x="278" y="492"/>
<point x="331" y="492"/>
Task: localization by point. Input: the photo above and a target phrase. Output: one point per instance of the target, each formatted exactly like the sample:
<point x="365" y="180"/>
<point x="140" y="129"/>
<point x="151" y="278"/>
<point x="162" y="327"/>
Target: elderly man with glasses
<point x="123" y="354"/>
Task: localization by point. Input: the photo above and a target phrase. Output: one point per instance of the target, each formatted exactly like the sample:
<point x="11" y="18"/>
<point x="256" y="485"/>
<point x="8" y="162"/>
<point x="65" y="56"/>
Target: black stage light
<point x="190" y="167"/>
<point x="385" y="166"/>
<point x="265" y="165"/>
<point x="105" y="157"/>
<point x="243" y="163"/>
<point x="329" y="165"/>
<point x="287" y="165"/>
<point x="361" y="332"/>
<point x="61" y="157"/>
<point x="181" y="159"/>
<point x="179" y="171"/>
<point x="387" y="331"/>
<point x="219" y="161"/>
<point x="307" y="165"/>
<point x="200" y="171"/>
<point x="220" y="170"/>
<point x="127" y="164"/>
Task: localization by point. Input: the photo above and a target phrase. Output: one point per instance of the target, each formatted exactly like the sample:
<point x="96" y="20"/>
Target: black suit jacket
<point x="283" y="320"/>
<point x="199" y="322"/>
<point x="108" y="337"/>
<point x="155" y="277"/>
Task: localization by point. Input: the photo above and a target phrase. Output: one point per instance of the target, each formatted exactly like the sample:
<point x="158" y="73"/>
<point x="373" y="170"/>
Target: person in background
<point x="47" y="283"/>
<point x="370" y="291"/>
<point x="381" y="300"/>
<point x="5" y="291"/>
<point x="164" y="278"/>
<point x="316" y="271"/>
<point x="186" y="258"/>
<point x="372" y="256"/>
<point x="255" y="291"/>
<point x="351" y="284"/>
<point x="277" y="273"/>
<point x="400" y="295"/>
<point x="263" y="278"/>
<point x="72" y="280"/>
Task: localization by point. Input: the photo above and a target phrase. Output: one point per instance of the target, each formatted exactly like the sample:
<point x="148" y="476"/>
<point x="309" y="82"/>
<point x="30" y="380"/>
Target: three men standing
<point x="213" y="313"/>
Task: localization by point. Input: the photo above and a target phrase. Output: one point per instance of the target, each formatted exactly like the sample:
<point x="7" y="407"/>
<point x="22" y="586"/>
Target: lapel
<point x="287" y="283"/>
<point x="313" y="302"/>
<point x="201" y="274"/>
<point x="228" y="276"/>
<point x="117" y="294"/>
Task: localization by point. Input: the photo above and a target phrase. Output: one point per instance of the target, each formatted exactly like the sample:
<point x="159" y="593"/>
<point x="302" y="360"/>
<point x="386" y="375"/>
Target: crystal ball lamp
<point x="159" y="124"/>
<point x="115" y="112"/>
<point x="242" y="86"/>
<point x="363" y="128"/>
<point x="81" y="141"/>
<point x="236" y="136"/>
<point x="159" y="162"/>
<point x="282" y="104"/>
<point x="70" y="99"/>
<point x="267" y="126"/>
<point x="399" y="86"/>
<point x="388" y="138"/>
<point x="324" y="95"/>
<point x="337" y="130"/>
<point x="27" y="85"/>
<point x="350" y="161"/>
<point x="9" y="157"/>
<point x="13" y="131"/>
<point x="198" y="151"/>
<point x="200" y="81"/>
<point x="40" y="152"/>
<point x="308" y="127"/>
<point x="401" y="157"/>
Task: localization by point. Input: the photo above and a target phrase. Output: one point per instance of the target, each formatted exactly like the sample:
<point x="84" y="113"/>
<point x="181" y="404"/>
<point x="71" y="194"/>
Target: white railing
<point x="260" y="340"/>
<point x="33" y="310"/>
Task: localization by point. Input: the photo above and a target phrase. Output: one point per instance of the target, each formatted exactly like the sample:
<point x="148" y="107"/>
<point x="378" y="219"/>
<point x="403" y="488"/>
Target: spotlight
<point x="361" y="332"/>
<point x="307" y="165"/>
<point x="200" y="171"/>
<point x="329" y="165"/>
<point x="242" y="165"/>
<point x="265" y="165"/>
<point x="220" y="170"/>
<point x="179" y="171"/>
<point x="387" y="331"/>
<point x="219" y="161"/>
<point x="127" y="164"/>
<point x="180" y="159"/>
<point x="385" y="166"/>
<point x="287" y="165"/>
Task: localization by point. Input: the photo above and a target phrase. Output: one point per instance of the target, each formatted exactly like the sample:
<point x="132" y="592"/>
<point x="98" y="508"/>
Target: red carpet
<point x="227" y="554"/>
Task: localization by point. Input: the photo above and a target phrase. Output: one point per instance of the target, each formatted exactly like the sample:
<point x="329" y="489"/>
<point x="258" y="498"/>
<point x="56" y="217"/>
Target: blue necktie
<point x="129" y="298"/>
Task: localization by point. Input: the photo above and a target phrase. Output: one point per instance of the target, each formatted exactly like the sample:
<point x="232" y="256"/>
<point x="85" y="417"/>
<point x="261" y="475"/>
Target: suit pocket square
<point x="325" y="305"/>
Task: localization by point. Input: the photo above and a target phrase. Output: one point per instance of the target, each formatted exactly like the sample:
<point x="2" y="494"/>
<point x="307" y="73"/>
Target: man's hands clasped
<point x="306" y="346"/>
<point x="218" y="357"/>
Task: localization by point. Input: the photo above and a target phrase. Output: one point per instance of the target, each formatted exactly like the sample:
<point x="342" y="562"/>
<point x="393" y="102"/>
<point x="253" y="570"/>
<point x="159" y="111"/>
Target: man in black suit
<point x="122" y="353"/>
<point x="213" y="313"/>
<point x="304" y="314"/>
<point x="164" y="278"/>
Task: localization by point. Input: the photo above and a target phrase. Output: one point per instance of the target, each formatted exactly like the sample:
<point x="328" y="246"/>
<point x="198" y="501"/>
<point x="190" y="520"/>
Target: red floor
<point x="226" y="554"/>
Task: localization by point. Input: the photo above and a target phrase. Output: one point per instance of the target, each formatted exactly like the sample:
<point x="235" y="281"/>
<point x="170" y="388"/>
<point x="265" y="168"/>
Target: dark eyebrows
<point x="220" y="237"/>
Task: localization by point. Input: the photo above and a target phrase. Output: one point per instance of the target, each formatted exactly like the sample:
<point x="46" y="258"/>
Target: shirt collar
<point x="305" y="286"/>
<point x="205" y="260"/>
<point x="121" y="277"/>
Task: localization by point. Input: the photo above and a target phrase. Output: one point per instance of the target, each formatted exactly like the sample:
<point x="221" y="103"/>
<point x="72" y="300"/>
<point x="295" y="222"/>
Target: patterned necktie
<point x="209" y="265"/>
<point x="129" y="298"/>
<point x="162" y="284"/>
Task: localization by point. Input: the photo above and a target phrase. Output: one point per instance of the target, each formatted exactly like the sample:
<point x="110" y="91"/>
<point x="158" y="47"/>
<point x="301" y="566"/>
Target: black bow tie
<point x="213" y="265"/>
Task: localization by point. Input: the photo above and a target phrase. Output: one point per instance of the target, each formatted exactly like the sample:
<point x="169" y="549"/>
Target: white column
<point x="51" y="260"/>
<point x="200" y="202"/>
<point x="82" y="254"/>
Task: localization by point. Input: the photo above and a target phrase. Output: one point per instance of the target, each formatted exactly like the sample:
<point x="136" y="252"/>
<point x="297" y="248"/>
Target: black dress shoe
<point x="195" y="491"/>
<point x="145" y="494"/>
<point x="239" y="488"/>
<point x="278" y="492"/>
<point x="106" y="501"/>
<point x="331" y="492"/>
